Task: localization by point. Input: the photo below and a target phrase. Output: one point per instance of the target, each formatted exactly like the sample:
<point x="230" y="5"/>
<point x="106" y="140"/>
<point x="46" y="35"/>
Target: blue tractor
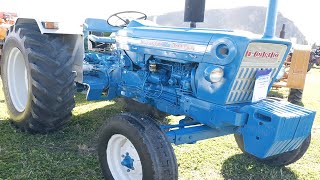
<point x="217" y="79"/>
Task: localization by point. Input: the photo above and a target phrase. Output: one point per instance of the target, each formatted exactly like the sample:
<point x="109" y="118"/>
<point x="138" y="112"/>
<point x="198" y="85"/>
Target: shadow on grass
<point x="84" y="127"/>
<point x="241" y="166"/>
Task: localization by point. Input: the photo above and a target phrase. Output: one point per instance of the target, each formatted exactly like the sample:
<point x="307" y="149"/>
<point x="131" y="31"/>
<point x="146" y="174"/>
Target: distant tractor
<point x="6" y="20"/>
<point x="217" y="79"/>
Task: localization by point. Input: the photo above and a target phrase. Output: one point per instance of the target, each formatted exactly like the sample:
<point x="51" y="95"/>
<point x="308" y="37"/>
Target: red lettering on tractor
<point x="258" y="54"/>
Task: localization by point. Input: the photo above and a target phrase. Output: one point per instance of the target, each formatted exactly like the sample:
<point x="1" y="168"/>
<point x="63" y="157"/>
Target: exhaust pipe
<point x="194" y="12"/>
<point x="271" y="19"/>
<point x="283" y="32"/>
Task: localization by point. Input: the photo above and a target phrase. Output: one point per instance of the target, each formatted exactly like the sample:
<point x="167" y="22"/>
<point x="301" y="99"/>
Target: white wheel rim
<point x="119" y="147"/>
<point x="17" y="79"/>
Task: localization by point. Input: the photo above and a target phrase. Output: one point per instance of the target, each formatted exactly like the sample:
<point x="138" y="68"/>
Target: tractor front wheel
<point x="134" y="147"/>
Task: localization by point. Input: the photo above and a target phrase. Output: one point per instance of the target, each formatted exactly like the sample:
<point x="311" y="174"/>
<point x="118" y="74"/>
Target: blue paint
<point x="98" y="25"/>
<point x="275" y="126"/>
<point x="169" y="68"/>
<point x="271" y="19"/>
<point x="127" y="161"/>
<point x="262" y="73"/>
<point x="272" y="126"/>
<point x="193" y="134"/>
<point x="101" y="39"/>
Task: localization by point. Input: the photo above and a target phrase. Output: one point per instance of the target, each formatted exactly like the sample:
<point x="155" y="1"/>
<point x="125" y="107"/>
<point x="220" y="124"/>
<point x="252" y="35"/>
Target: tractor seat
<point x="99" y="26"/>
<point x="101" y="39"/>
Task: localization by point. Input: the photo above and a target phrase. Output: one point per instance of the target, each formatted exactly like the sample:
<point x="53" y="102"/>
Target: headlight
<point x="216" y="75"/>
<point x="50" y="25"/>
<point x="223" y="51"/>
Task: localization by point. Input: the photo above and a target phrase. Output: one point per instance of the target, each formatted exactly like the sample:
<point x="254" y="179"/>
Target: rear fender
<point x="74" y="37"/>
<point x="64" y="27"/>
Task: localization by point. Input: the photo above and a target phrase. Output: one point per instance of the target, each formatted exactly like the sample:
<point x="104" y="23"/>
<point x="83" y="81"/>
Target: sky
<point x="302" y="13"/>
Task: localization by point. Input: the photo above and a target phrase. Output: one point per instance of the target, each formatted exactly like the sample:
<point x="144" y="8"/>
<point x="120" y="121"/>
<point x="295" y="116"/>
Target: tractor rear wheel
<point x="132" y="146"/>
<point x="295" y="96"/>
<point x="283" y="159"/>
<point x="38" y="82"/>
<point x="310" y="65"/>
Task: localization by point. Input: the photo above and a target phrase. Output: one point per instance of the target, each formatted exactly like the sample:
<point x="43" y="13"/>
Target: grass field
<point x="71" y="154"/>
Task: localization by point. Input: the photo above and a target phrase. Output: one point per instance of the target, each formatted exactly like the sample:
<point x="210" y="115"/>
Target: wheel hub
<point x="127" y="161"/>
<point x="123" y="159"/>
<point x="17" y="79"/>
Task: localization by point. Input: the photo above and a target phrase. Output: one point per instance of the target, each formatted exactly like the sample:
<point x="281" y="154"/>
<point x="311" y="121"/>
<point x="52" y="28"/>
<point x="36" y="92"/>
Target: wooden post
<point x="298" y="67"/>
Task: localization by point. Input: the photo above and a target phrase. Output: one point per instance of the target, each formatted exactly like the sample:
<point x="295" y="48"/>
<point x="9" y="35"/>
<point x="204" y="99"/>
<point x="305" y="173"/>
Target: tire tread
<point x="53" y="88"/>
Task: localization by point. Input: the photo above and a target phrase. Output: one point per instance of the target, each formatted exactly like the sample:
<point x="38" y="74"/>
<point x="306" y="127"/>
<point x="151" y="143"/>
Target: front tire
<point x="38" y="81"/>
<point x="134" y="147"/>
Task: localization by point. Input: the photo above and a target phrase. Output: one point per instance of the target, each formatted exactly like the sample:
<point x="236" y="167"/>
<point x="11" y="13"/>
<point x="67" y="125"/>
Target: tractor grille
<point x="242" y="89"/>
<point x="258" y="56"/>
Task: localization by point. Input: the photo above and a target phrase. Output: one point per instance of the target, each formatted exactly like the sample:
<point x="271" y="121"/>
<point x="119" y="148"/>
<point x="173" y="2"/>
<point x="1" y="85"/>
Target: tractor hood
<point x="228" y="50"/>
<point x="150" y="30"/>
<point x="178" y="43"/>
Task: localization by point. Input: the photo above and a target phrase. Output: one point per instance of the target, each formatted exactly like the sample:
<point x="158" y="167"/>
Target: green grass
<point x="70" y="153"/>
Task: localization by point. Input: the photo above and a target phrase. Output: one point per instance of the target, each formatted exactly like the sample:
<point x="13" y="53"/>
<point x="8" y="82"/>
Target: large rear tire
<point x="295" y="96"/>
<point x="310" y="65"/>
<point x="132" y="146"/>
<point x="279" y="159"/>
<point x="38" y="81"/>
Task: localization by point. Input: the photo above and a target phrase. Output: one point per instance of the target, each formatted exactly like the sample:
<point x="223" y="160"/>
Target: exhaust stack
<point x="283" y="32"/>
<point x="271" y="19"/>
<point x="194" y="12"/>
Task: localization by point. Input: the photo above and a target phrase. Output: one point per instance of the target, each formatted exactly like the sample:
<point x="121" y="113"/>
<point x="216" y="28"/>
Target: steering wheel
<point x="122" y="19"/>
